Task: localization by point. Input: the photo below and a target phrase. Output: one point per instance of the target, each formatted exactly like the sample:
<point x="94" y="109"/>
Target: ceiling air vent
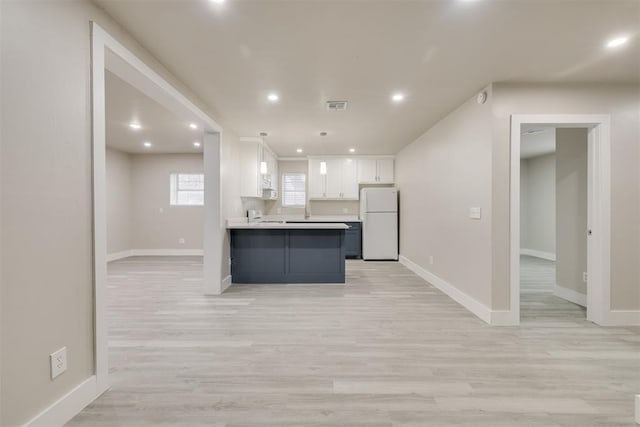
<point x="337" y="105"/>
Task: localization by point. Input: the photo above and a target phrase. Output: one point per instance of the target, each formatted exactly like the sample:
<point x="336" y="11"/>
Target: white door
<point x="367" y="170"/>
<point x="334" y="178"/>
<point x="380" y="236"/>
<point x="316" y="180"/>
<point x="385" y="171"/>
<point x="381" y="200"/>
<point x="350" y="179"/>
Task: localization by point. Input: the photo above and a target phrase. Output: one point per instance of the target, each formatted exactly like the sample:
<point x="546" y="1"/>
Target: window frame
<point x="174" y="189"/>
<point x="304" y="190"/>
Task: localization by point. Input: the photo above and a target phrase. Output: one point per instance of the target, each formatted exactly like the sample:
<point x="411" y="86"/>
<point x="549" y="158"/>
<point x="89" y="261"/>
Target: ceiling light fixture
<point x="397" y="97"/>
<point x="617" y="42"/>
<point x="323" y="134"/>
<point x="352" y="150"/>
<point x="147" y="144"/>
<point x="217" y="1"/>
<point x="263" y="134"/>
<point x="299" y="150"/>
<point x="135" y="126"/>
<point x="196" y="144"/>
<point x="273" y="97"/>
<point x="193" y="126"/>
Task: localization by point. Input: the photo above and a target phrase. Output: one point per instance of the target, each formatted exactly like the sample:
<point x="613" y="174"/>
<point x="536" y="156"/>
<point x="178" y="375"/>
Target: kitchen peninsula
<point x="287" y="252"/>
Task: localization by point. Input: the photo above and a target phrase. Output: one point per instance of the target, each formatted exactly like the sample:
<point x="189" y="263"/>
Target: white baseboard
<point x="471" y="304"/>
<point x="623" y="318"/>
<point x="538" y="254"/>
<point x="570" y="295"/>
<point x="226" y="282"/>
<point x="69" y="405"/>
<point x="154" y="252"/>
<point x="118" y="255"/>
<point x="167" y="252"/>
<point x="637" y="408"/>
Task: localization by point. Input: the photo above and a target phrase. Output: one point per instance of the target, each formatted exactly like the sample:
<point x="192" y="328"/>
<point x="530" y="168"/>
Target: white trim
<point x="538" y="254"/>
<point x="637" y="418"/>
<point x="114" y="256"/>
<point x="214" y="229"/>
<point x="471" y="304"/>
<point x="153" y="252"/>
<point x="599" y="209"/>
<point x="166" y="252"/>
<point x="570" y="295"/>
<point x="226" y="282"/>
<point x="623" y="318"/>
<point x="69" y="405"/>
<point x="108" y="53"/>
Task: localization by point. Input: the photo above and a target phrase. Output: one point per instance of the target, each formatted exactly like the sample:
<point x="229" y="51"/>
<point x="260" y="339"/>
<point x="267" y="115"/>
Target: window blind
<point x="293" y="190"/>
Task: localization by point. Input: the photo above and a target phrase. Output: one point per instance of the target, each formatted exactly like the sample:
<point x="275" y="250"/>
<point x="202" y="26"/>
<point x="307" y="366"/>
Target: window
<point x="187" y="189"/>
<point x="293" y="190"/>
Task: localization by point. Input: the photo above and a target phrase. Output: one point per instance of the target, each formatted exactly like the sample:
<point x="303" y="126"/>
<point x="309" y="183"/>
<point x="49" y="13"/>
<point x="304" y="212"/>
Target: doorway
<point x="597" y="229"/>
<point x="107" y="54"/>
<point x="553" y="223"/>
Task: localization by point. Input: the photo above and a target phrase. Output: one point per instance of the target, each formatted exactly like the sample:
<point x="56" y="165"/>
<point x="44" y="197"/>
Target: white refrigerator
<point x="379" y="215"/>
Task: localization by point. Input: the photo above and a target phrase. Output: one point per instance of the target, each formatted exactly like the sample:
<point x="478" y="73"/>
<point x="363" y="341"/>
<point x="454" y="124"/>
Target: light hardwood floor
<point x="386" y="349"/>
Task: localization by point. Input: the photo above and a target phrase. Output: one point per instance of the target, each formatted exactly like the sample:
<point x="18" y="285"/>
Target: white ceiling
<point x="537" y="140"/>
<point x="438" y="52"/>
<point x="167" y="132"/>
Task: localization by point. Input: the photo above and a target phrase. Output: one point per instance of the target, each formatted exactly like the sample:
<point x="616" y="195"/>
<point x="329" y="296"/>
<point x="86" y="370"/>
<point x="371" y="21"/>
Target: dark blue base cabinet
<point x="287" y="256"/>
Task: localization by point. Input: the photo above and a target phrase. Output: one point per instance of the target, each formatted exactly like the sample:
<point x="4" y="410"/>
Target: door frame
<point x="108" y="53"/>
<point x="598" y="209"/>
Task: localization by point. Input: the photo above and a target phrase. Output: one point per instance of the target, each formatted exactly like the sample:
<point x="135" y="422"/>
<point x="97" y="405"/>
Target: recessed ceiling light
<point x="216" y="1"/>
<point x="147" y="144"/>
<point x="273" y="97"/>
<point x="264" y="134"/>
<point x="397" y="97"/>
<point x="299" y="150"/>
<point x="352" y="150"/>
<point x="193" y="126"/>
<point x="135" y="126"/>
<point x="196" y="144"/>
<point x="618" y="41"/>
<point x="323" y="134"/>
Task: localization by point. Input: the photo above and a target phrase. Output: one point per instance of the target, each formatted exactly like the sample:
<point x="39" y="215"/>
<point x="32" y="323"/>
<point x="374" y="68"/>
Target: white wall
<point x="622" y="102"/>
<point x="119" y="198"/>
<point x="464" y="161"/>
<point x="156" y="224"/>
<point x="538" y="204"/>
<point x="46" y="244"/>
<point x="571" y="211"/>
<point x="440" y="176"/>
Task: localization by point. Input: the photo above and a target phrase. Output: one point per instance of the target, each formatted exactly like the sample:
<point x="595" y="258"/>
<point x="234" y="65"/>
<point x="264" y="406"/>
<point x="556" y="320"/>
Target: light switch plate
<point x="475" y="213"/>
<point x="58" y="362"/>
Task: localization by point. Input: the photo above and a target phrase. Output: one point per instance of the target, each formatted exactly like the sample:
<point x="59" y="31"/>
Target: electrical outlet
<point x="585" y="277"/>
<point x="58" y="362"/>
<point x="181" y="240"/>
<point x="431" y="259"/>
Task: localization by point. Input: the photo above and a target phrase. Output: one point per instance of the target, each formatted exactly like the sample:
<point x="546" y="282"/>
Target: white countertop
<point x="237" y="225"/>
<point x="315" y="218"/>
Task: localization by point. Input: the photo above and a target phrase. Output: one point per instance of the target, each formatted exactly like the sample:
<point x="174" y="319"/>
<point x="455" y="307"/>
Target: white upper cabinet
<point x="258" y="169"/>
<point x="375" y="170"/>
<point x="350" y="189"/>
<point x="334" y="178"/>
<point x="317" y="181"/>
<point x="385" y="170"/>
